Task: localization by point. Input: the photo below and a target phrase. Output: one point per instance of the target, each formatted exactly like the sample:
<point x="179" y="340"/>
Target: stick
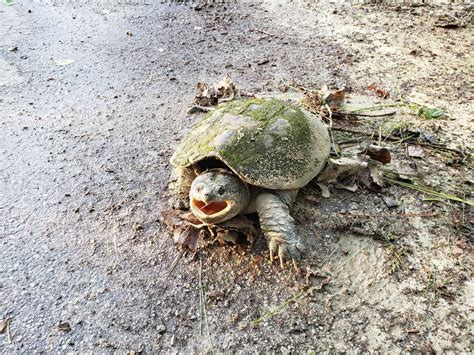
<point x="391" y="113"/>
<point x="378" y="107"/>
<point x="264" y="32"/>
<point x="9" y="336"/>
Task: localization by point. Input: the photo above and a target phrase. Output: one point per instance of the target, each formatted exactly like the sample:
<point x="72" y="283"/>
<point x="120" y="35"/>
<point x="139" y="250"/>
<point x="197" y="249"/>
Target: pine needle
<point x="428" y="191"/>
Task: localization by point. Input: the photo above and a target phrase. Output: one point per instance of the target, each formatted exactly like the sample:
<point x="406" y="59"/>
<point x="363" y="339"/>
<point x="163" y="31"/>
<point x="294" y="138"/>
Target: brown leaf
<point x="383" y="94"/>
<point x="190" y="236"/>
<point x="333" y="98"/>
<point x="336" y="98"/>
<point x="190" y="232"/>
<point x="185" y="231"/>
<point x="381" y="154"/>
<point x="210" y="95"/>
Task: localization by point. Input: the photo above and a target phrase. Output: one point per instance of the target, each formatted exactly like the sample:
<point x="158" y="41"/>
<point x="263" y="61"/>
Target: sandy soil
<point x="86" y="263"/>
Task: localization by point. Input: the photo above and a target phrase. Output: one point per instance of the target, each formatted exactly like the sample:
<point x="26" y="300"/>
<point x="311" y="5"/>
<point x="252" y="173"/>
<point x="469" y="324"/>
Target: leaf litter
<point x="191" y="233"/>
<point x="209" y="95"/>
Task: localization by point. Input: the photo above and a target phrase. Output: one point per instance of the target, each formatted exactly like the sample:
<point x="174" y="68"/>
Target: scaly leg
<point x="179" y="186"/>
<point x="278" y="226"/>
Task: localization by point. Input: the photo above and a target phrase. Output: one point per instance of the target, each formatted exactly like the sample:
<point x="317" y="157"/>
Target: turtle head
<point x="218" y="195"/>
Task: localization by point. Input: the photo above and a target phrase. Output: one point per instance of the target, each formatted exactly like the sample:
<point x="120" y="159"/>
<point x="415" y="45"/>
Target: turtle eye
<point x="221" y="191"/>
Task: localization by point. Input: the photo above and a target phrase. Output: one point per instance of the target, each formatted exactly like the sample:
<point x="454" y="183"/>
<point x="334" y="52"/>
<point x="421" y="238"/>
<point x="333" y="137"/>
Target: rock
<point x="390" y="201"/>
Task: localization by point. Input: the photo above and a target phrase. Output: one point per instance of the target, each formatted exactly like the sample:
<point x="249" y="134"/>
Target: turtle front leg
<point x="278" y="226"/>
<point x="179" y="185"/>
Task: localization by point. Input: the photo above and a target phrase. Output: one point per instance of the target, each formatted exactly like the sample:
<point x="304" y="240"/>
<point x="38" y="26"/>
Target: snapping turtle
<point x="250" y="156"/>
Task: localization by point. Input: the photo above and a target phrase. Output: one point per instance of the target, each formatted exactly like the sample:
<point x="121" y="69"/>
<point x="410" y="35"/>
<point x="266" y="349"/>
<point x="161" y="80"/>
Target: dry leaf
<point x="381" y="154"/>
<point x="333" y="98"/>
<point x="415" y="151"/>
<point x="377" y="176"/>
<point x="324" y="190"/>
<point x="190" y="232"/>
<point x="352" y="187"/>
<point x="184" y="231"/>
<point x="339" y="169"/>
<point x="210" y="95"/>
<point x="383" y="94"/>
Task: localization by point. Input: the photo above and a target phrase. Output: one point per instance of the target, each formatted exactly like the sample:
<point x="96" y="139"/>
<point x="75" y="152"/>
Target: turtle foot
<point x="281" y="249"/>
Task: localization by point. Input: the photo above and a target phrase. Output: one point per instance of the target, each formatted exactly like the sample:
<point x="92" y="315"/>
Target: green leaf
<point x="430" y="113"/>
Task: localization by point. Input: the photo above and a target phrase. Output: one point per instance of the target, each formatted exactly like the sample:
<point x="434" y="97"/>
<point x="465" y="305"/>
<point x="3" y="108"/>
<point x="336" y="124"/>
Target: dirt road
<point x="93" y="100"/>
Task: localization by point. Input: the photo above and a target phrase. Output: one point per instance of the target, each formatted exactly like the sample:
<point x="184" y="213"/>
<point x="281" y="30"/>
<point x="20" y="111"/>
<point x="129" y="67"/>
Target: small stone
<point x="390" y="201"/>
<point x="64" y="326"/>
<point x="4" y="325"/>
<point x="242" y="325"/>
<point x="137" y="226"/>
<point x="161" y="328"/>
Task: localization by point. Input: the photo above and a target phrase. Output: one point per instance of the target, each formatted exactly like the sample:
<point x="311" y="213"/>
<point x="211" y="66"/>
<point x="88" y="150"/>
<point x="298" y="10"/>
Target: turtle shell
<point x="267" y="143"/>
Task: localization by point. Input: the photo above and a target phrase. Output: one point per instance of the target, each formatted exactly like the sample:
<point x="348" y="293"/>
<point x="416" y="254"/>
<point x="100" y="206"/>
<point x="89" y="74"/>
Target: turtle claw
<point x="284" y="249"/>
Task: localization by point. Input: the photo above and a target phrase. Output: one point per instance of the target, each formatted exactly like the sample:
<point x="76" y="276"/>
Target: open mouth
<point x="212" y="207"/>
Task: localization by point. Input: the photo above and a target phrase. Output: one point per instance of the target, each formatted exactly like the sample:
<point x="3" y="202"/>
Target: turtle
<point x="250" y="156"/>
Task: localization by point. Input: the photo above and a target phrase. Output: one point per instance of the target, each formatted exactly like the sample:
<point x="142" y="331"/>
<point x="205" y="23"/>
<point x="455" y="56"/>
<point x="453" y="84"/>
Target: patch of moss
<point x="286" y="157"/>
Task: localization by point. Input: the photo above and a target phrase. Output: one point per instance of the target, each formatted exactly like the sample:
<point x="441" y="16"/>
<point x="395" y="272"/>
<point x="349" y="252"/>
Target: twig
<point x="174" y="263"/>
<point x="9" y="336"/>
<point x="428" y="191"/>
<point x="351" y="113"/>
<point x="442" y="147"/>
<point x="378" y="107"/>
<point x="356" y="131"/>
<point x="264" y="32"/>
<point x="330" y="129"/>
<point x="281" y="306"/>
